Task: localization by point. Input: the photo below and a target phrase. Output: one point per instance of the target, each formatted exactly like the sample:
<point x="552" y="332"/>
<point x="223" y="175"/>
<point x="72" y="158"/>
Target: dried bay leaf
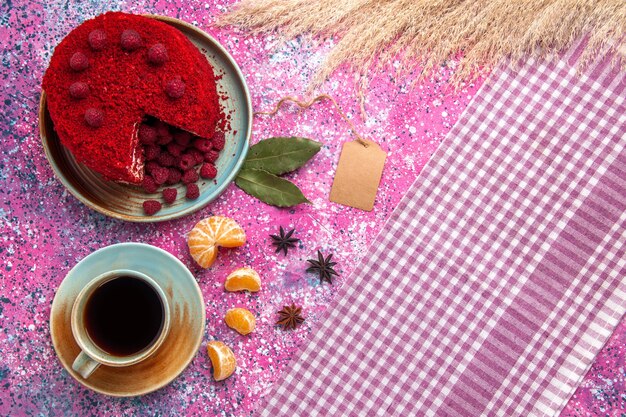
<point x="280" y="155"/>
<point x="269" y="188"/>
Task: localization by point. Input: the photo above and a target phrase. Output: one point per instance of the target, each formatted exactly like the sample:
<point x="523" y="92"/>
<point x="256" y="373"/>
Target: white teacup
<point x="118" y="319"/>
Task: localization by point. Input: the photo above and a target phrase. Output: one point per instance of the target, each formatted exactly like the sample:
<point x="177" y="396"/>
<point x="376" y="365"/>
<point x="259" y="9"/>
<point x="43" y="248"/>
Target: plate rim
<point x="196" y="346"/>
<point x="172" y="21"/>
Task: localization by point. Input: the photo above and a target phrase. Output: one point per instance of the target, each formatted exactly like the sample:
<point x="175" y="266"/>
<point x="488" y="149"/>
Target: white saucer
<point x="182" y="342"/>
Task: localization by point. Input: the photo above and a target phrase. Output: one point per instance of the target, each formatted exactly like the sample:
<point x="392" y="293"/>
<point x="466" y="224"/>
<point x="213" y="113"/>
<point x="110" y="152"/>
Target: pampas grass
<point x="426" y="33"/>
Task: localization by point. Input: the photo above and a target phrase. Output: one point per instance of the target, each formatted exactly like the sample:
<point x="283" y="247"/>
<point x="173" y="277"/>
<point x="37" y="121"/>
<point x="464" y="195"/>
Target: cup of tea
<point x="119" y="318"/>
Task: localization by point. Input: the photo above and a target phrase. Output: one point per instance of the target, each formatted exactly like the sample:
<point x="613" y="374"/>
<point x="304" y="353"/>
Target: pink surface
<point x="485" y="290"/>
<point x="45" y="231"/>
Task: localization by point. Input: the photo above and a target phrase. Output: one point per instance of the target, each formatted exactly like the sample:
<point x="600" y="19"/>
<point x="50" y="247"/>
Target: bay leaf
<point x="281" y="154"/>
<point x="269" y="188"/>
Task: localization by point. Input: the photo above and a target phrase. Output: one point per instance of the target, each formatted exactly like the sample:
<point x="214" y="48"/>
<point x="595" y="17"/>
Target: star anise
<point x="324" y="267"/>
<point x="289" y="317"/>
<point x="284" y="241"/>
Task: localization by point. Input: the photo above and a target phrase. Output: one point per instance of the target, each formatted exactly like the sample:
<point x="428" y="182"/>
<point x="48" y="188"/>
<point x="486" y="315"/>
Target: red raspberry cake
<point x="112" y="72"/>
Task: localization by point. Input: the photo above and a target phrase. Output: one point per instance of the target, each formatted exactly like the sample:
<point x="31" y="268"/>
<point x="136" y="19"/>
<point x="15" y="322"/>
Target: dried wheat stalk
<point x="426" y="33"/>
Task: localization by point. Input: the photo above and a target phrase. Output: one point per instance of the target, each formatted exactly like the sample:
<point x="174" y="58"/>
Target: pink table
<point x="46" y="231"/>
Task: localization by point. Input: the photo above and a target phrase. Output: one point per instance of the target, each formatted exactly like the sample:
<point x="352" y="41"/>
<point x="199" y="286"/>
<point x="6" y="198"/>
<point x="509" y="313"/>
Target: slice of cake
<point x="110" y="73"/>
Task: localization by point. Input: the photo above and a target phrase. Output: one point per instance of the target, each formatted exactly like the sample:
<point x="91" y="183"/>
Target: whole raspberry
<point x="163" y="134"/>
<point x="203" y="145"/>
<point x="164" y="140"/>
<point x="186" y="162"/>
<point x="166" y="159"/>
<point x="79" y="62"/>
<point x="175" y="149"/>
<point x="97" y="39"/>
<point x="151" y="152"/>
<point x="169" y="195"/>
<point x="157" y="54"/>
<point x="208" y="170"/>
<point x="211" y="156"/>
<point x="193" y="191"/>
<point x="160" y="175"/>
<point x="174" y="177"/>
<point x="151" y="166"/>
<point x="182" y="138"/>
<point x="197" y="156"/>
<point x="176" y="162"/>
<point x="149" y="185"/>
<point x="79" y="90"/>
<point x="94" y="117"/>
<point x="219" y="140"/>
<point x="162" y="129"/>
<point x="150" y="207"/>
<point x="189" y="176"/>
<point x="131" y="40"/>
<point x="175" y="88"/>
<point x="147" y="134"/>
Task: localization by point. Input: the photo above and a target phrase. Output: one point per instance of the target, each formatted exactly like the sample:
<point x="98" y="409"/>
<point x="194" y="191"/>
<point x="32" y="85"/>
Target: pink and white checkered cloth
<point x="500" y="275"/>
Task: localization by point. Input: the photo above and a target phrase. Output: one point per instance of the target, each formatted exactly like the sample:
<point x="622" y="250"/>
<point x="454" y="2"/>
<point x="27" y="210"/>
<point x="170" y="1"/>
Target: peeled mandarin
<point x="241" y="320"/>
<point x="210" y="233"/>
<point x="243" y="279"/>
<point x="222" y="359"/>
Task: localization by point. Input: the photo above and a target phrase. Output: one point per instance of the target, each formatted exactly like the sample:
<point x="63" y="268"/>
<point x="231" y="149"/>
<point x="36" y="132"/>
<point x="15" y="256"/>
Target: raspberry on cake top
<point x="111" y="72"/>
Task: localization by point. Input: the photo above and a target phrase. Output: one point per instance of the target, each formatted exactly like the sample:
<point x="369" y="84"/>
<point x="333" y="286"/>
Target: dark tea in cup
<point x="124" y="315"/>
<point x="119" y="318"/>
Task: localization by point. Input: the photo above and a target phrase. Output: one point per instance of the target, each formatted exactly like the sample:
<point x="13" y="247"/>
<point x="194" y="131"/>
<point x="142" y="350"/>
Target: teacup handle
<point x="84" y="365"/>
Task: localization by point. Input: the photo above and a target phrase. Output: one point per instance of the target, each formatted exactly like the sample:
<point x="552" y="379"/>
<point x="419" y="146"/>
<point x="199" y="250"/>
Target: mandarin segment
<point x="243" y="279"/>
<point x="210" y="233"/>
<point x="228" y="233"/>
<point x="222" y="359"/>
<point x="240" y="320"/>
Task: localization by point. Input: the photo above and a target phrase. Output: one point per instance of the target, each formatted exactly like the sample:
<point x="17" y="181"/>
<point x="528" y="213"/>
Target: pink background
<point x="45" y="231"/>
